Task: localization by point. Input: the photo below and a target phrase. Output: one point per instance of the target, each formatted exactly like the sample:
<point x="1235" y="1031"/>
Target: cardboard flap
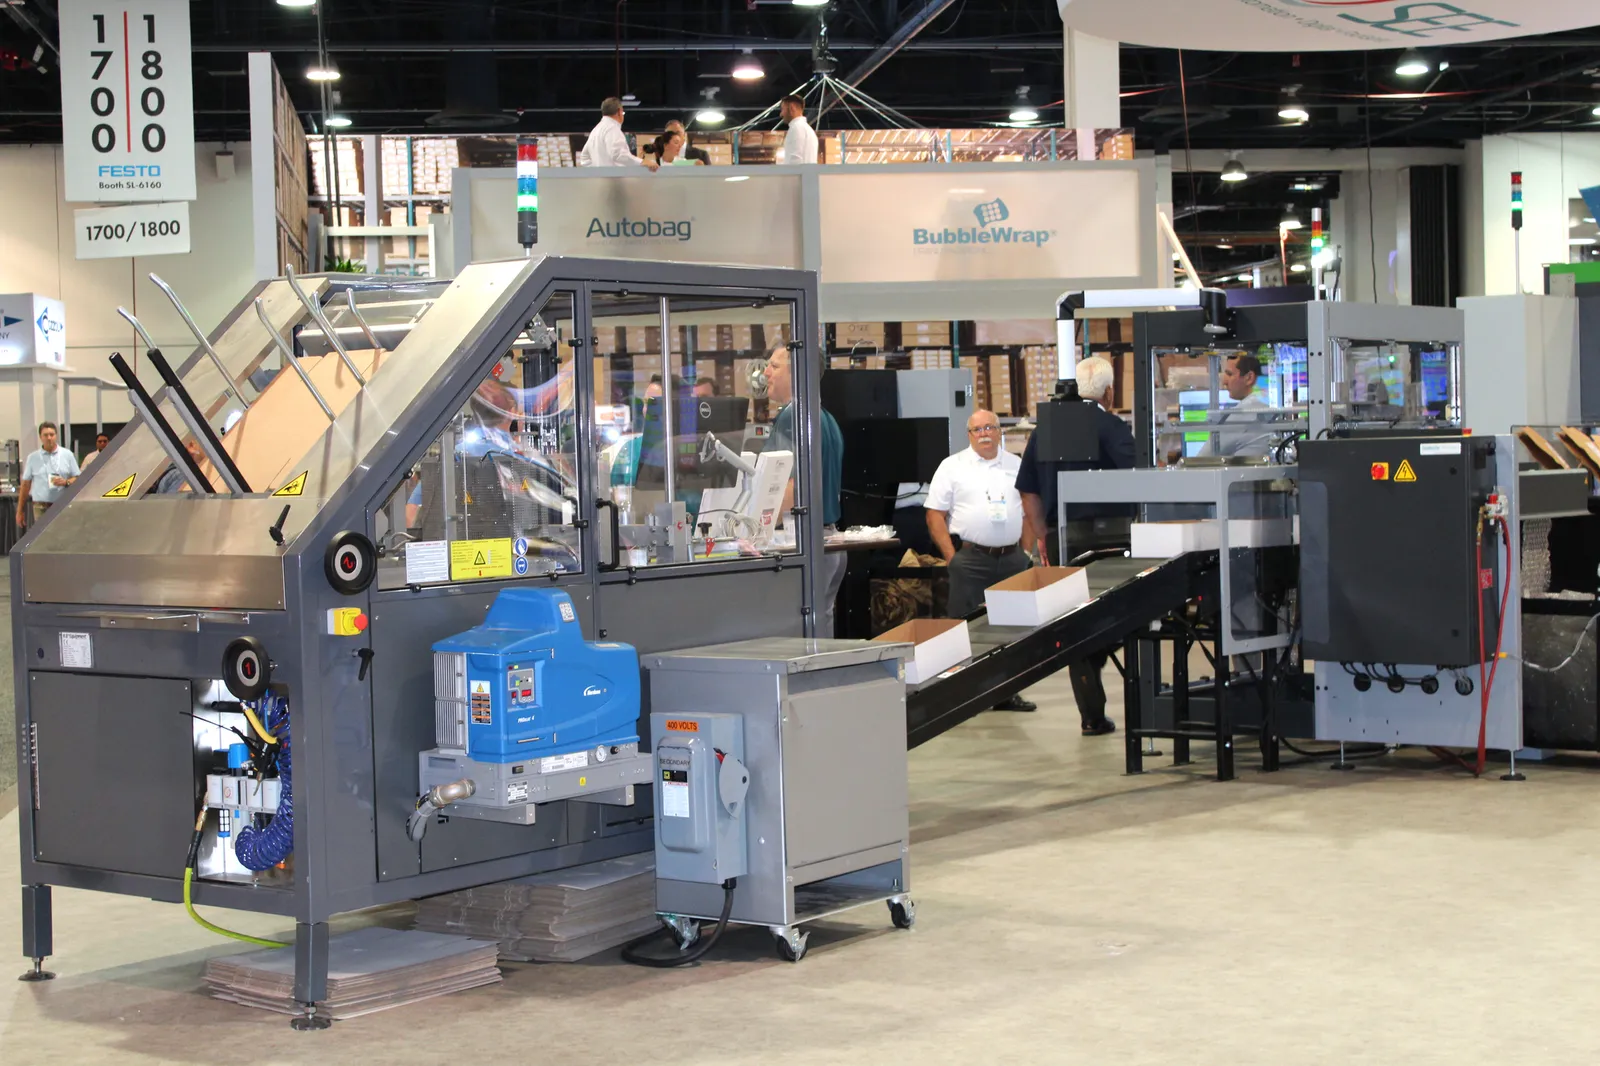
<point x="920" y="630"/>
<point x="1035" y="578"/>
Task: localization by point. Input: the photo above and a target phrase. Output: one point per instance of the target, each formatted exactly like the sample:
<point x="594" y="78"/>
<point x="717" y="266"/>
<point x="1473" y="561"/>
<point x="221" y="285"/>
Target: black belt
<point x="985" y="549"/>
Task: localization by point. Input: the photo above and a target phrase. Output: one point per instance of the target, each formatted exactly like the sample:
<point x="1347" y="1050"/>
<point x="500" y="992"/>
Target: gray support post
<point x="310" y="974"/>
<point x="38" y="941"/>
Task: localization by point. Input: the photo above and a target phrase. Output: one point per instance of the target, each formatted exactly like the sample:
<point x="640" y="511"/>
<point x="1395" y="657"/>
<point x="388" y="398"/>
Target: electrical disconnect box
<point x="700" y="786"/>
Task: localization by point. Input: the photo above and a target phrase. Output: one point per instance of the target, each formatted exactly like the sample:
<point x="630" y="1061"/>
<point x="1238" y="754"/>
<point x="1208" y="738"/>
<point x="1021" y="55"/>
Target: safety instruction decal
<point x="122" y="490"/>
<point x="295" y="487"/>
<point x="471" y="559"/>
<point x="1405" y="473"/>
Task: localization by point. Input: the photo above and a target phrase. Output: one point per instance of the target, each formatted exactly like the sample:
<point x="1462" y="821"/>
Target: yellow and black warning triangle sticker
<point x="480" y="560"/>
<point x="122" y="490"/>
<point x="295" y="487"/>
<point x="1405" y="473"/>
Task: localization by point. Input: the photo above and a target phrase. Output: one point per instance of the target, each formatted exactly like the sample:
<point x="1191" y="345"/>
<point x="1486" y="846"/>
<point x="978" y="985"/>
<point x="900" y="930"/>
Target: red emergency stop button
<point x="1380" y="471"/>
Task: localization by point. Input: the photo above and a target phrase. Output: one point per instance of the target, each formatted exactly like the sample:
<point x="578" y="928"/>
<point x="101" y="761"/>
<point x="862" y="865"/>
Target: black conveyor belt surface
<point x="1129" y="594"/>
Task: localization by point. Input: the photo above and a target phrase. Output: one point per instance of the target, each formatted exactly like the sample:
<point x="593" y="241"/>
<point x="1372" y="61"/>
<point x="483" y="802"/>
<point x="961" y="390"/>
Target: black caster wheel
<point x="351" y="562"/>
<point x="1430" y="686"/>
<point x="1363" y="682"/>
<point x="1464" y="686"/>
<point x="1397" y="685"/>
<point x="791" y="945"/>
<point x="903" y="913"/>
<point x="246" y="670"/>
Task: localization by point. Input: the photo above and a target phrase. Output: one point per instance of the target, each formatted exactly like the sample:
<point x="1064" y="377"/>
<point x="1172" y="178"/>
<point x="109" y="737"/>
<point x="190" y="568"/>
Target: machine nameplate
<point x="471" y="559"/>
<point x="576" y="760"/>
<point x="680" y="725"/>
<point x="77" y="651"/>
<point x="1449" y="447"/>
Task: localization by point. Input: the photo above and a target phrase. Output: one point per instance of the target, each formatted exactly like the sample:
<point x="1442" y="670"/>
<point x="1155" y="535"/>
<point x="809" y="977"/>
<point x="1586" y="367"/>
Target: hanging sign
<point x="127" y="100"/>
<point x="1319" y="25"/>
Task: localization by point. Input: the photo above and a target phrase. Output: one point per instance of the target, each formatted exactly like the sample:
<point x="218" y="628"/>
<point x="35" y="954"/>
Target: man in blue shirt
<point x="780" y="391"/>
<point x="47" y="472"/>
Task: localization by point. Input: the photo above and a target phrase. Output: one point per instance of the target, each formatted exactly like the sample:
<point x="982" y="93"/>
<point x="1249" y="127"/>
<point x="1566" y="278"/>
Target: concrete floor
<point x="1066" y="913"/>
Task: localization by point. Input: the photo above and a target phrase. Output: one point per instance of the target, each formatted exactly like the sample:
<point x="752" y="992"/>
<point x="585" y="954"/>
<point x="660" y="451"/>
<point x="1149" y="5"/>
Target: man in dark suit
<point x="1088" y="525"/>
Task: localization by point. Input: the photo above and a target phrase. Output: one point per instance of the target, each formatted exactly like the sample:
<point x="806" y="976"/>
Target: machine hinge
<point x="798" y="512"/>
<point x="576" y="342"/>
<point x="633" y="575"/>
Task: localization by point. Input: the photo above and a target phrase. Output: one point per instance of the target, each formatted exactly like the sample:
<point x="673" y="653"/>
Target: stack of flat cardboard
<point x="561" y="916"/>
<point x="369" y="970"/>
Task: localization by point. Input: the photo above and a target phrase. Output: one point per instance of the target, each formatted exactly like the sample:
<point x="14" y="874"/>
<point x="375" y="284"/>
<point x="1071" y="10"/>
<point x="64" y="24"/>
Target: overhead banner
<point x="1320" y="25"/>
<point x="680" y="217"/>
<point x="127" y="100"/>
<point x="951" y="225"/>
<point x="32" y="329"/>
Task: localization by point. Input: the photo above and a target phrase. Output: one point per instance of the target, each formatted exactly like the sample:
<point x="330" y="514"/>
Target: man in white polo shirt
<point x="47" y="472"/>
<point x="973" y="497"/>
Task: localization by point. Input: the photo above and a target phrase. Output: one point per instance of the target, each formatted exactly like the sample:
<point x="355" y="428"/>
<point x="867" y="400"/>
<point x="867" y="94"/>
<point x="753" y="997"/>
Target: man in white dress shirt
<point x="606" y="146"/>
<point x="973" y="497"/>
<point x="1245" y="433"/>
<point x="800" y="143"/>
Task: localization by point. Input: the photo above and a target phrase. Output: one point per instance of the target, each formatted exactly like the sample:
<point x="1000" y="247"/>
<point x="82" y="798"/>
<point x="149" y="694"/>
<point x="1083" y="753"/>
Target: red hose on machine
<point x="1486" y="684"/>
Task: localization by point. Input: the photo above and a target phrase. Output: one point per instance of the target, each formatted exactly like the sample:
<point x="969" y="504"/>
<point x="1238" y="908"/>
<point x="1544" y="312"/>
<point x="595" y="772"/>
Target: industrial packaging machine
<point x="342" y="474"/>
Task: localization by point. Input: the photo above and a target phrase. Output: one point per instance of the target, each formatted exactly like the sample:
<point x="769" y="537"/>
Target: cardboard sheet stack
<point x="369" y="970"/>
<point x="561" y="916"/>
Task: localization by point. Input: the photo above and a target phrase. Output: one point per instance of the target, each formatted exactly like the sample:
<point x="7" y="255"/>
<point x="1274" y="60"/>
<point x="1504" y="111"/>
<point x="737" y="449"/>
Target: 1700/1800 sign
<point x="134" y="229"/>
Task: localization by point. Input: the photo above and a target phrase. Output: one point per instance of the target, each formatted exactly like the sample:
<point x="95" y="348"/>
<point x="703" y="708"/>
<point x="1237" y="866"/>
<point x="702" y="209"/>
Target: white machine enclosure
<point x="824" y="743"/>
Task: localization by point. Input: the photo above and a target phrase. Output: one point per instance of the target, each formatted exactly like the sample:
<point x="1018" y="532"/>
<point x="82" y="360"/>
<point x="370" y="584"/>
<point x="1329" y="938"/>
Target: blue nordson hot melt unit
<point x="529" y="712"/>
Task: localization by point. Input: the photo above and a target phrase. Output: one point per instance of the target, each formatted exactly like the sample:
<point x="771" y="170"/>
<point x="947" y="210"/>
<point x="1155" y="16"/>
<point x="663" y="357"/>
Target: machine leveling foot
<point x="1511" y="774"/>
<point x="310" y="1020"/>
<point x="1342" y="764"/>
<point x="38" y="973"/>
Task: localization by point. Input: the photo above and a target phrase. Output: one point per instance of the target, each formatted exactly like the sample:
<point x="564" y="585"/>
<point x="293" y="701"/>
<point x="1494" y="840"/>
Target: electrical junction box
<point x="531" y="712"/>
<point x="700" y="786"/>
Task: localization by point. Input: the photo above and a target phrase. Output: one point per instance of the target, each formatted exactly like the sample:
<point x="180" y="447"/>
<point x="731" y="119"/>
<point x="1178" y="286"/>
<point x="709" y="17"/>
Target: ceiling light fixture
<point x="1297" y="268"/>
<point x="710" y="117"/>
<point x="1233" y="170"/>
<point x="1290" y="220"/>
<point x="322" y="72"/>
<point x="1291" y="109"/>
<point x="1247" y="277"/>
<point x="1021" y="109"/>
<point x="1581" y="242"/>
<point x="747" y="67"/>
<point x="339" y="122"/>
<point x="1413" y="64"/>
<point x="297" y="3"/>
<point x="809" y="3"/>
<point x="1225" y="246"/>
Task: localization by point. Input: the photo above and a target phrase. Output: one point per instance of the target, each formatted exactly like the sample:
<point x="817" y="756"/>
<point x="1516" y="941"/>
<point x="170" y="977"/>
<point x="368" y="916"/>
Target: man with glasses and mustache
<point x="973" y="500"/>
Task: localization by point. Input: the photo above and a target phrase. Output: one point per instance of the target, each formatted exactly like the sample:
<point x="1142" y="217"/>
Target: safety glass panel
<point x="495" y="496"/>
<point x="1228" y="405"/>
<point x="1390" y="384"/>
<point x="686" y="404"/>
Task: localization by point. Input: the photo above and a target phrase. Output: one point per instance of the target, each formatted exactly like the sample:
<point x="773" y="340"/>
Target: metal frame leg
<point x="1224" y="723"/>
<point x="1269" y="716"/>
<point x="38" y="937"/>
<point x="310" y="974"/>
<point x="1132" y="711"/>
<point x="1180" y="697"/>
<point x="1150" y="685"/>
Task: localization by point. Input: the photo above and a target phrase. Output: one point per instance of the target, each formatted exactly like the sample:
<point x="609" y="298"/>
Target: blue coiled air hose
<point x="262" y="849"/>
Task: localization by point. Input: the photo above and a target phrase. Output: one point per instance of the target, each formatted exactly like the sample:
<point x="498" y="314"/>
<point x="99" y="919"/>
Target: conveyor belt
<point x="1129" y="595"/>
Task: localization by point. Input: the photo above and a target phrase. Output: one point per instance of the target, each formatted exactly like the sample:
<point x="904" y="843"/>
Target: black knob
<point x="351" y="562"/>
<point x="246" y="670"/>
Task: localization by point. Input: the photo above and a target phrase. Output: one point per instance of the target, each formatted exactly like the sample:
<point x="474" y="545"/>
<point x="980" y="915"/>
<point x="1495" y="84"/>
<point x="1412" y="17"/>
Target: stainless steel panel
<point x="844" y="770"/>
<point x="780" y="655"/>
<point x="171" y="551"/>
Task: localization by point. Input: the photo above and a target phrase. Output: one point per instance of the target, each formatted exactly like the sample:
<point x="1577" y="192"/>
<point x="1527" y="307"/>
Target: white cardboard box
<point x="1261" y="532"/>
<point x="1036" y="596"/>
<point x="1163" y="540"/>
<point x="940" y="644"/>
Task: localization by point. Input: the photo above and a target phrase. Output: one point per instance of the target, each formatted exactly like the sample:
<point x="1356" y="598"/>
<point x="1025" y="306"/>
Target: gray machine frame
<point x="164" y="587"/>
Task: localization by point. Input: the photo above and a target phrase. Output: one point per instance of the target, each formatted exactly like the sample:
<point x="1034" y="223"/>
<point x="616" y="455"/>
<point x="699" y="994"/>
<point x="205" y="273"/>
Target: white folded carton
<point x="1036" y="596"/>
<point x="1163" y="540"/>
<point x="1261" y="532"/>
<point x="940" y="644"/>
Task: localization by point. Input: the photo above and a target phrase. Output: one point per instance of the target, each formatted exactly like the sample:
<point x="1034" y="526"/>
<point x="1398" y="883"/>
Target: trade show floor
<point x="1066" y="913"/>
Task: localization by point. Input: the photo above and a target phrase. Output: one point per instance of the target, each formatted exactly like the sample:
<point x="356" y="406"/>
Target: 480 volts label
<point x="137" y="229"/>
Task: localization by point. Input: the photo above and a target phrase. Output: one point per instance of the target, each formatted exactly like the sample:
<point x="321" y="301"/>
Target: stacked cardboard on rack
<point x="925" y="334"/>
<point x="930" y="359"/>
<point x="1001" y="395"/>
<point x="848" y="335"/>
<point x="369" y="970"/>
<point x="554" y="917"/>
<point x="1039" y="374"/>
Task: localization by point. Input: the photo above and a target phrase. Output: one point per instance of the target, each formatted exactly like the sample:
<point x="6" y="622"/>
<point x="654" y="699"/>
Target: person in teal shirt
<point x="780" y="390"/>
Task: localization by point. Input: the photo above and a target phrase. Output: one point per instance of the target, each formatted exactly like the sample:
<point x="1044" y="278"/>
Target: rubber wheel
<point x="787" y="953"/>
<point x="351" y="562"/>
<point x="902" y="916"/>
<point x="246" y="670"/>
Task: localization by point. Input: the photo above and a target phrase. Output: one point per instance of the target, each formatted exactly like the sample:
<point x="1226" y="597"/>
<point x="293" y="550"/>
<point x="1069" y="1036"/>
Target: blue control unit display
<point x="535" y="688"/>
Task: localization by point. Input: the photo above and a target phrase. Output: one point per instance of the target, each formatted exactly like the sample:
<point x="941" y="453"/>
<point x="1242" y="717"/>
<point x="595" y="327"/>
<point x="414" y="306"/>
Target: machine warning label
<point x="122" y="490"/>
<point x="295" y="487"/>
<point x="674" y="799"/>
<point x="482" y="704"/>
<point x="1380" y="471"/>
<point x="1405" y="473"/>
<point x="680" y="725"/>
<point x="471" y="559"/>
